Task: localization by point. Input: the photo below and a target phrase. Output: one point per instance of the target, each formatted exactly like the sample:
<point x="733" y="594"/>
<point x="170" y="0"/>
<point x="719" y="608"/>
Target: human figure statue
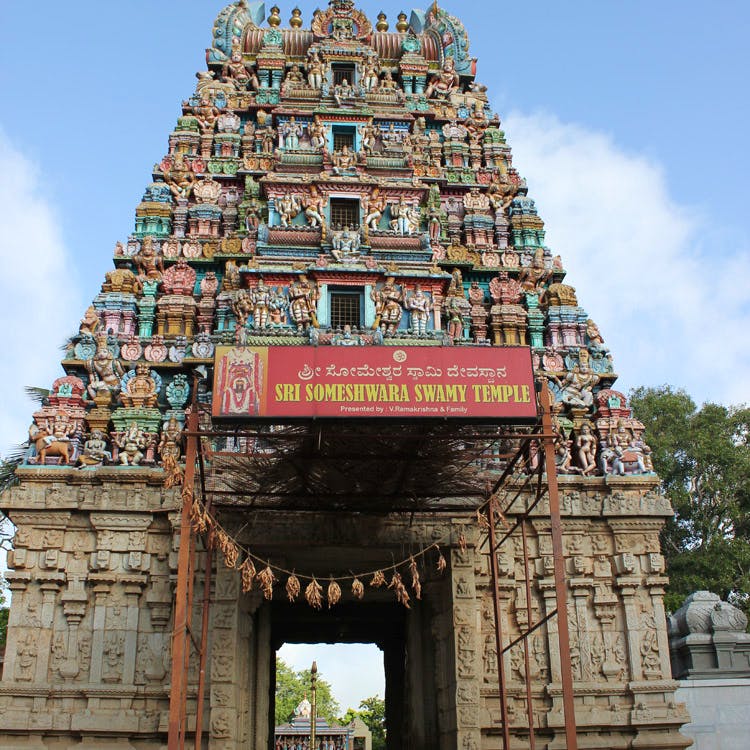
<point x="318" y="135"/>
<point x="576" y="388"/>
<point x="170" y="443"/>
<point x="140" y="391"/>
<point x="293" y="79"/>
<point x="445" y="82"/>
<point x="290" y="133"/>
<point x="303" y="298"/>
<point x="238" y="72"/>
<point x="345" y="244"/>
<point x="343" y="93"/>
<point x="368" y="137"/>
<point x="419" y="305"/>
<point x="315" y="70"/>
<point x="260" y="297"/>
<point x="90" y="322"/>
<point x="315" y="208"/>
<point x="369" y="72"/>
<point x="389" y="309"/>
<point x="343" y="161"/>
<point x="104" y="369"/>
<point x="288" y="207"/>
<point x="405" y="218"/>
<point x="132" y="443"/>
<point x="585" y="449"/>
<point x="373" y="208"/>
<point x="148" y="263"/>
<point x="94" y="451"/>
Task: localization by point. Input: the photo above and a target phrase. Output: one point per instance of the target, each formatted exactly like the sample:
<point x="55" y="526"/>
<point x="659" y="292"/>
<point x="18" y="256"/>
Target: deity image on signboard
<point x="240" y="380"/>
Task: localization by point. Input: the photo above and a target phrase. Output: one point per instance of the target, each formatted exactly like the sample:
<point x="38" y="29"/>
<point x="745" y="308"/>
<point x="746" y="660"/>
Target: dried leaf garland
<point x="247" y="573"/>
<point x="292" y="587"/>
<point x="462" y="542"/>
<point x="378" y="579"/>
<point x="484" y="524"/>
<point x="503" y="519"/>
<point x="313" y="594"/>
<point x="228" y="548"/>
<point x="266" y="579"/>
<point x="415" y="584"/>
<point x="333" y="594"/>
<point x="441" y="563"/>
<point x="358" y="589"/>
<point x="198" y="517"/>
<point x="402" y="595"/>
<point x="173" y="474"/>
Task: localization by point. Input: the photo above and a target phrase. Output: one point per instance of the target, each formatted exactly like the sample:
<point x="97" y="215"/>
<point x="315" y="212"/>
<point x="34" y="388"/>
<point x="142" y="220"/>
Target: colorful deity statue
<point x="288" y="206"/>
<point x="585" y="449"/>
<point x="318" y="134"/>
<point x="293" y="79"/>
<point x="370" y="73"/>
<point x="405" y="218"/>
<point x="372" y="209"/>
<point x="132" y="444"/>
<point x="389" y="309"/>
<point x="148" y="263"/>
<point x="95" y="451"/>
<point x="368" y="137"/>
<point x="180" y="177"/>
<point x="139" y="388"/>
<point x="303" y="299"/>
<point x="238" y="71"/>
<point x="534" y="277"/>
<point x="260" y="296"/>
<point x="344" y="161"/>
<point x="343" y="93"/>
<point x="419" y="305"/>
<point x="315" y="70"/>
<point x="345" y="244"/>
<point x="445" y="82"/>
<point x="90" y="323"/>
<point x="104" y="369"/>
<point x="576" y="387"/>
<point x="290" y="134"/>
<point x="315" y="206"/>
<point x="170" y="442"/>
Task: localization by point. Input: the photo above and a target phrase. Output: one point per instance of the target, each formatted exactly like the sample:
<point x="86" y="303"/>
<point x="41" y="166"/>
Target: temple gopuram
<point x="336" y="388"/>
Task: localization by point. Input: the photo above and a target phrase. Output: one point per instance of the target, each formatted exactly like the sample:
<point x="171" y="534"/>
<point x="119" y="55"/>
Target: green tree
<point x="292" y="687"/>
<point x="703" y="459"/>
<point x="372" y="712"/>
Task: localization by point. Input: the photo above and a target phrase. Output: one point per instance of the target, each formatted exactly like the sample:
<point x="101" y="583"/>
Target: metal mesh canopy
<point x="356" y="466"/>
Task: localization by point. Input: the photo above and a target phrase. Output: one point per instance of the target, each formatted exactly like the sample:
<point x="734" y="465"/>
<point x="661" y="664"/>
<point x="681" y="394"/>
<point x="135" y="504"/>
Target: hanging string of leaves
<point x="201" y="522"/>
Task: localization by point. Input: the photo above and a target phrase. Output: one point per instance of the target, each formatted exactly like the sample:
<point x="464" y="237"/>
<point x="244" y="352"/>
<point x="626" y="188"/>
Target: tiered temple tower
<point x="345" y="184"/>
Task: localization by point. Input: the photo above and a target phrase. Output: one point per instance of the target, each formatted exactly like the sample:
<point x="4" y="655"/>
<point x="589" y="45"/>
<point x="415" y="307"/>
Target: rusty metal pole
<point x="313" y="703"/>
<point x="498" y="624"/>
<point x="526" y="660"/>
<point x="566" y="671"/>
<point x="178" y="686"/>
<point x="204" y="640"/>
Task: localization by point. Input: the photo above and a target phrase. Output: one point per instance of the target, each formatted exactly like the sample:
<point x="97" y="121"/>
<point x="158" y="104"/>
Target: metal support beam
<point x="566" y="671"/>
<point x="178" y="682"/>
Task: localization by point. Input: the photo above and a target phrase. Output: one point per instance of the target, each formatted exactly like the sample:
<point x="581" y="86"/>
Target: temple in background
<point x="336" y="182"/>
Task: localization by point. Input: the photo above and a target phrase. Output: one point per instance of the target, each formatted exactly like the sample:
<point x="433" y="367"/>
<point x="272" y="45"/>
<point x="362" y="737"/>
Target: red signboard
<point x="494" y="383"/>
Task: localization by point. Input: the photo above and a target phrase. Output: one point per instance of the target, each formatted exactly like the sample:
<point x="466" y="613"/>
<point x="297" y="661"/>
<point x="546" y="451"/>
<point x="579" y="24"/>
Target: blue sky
<point x="629" y="120"/>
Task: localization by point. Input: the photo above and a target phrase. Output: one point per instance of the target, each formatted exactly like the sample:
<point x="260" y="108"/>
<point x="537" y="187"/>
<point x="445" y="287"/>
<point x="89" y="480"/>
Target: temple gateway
<point x="335" y="388"/>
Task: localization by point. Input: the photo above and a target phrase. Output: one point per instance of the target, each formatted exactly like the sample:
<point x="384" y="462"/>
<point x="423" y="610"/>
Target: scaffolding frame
<point x="541" y="436"/>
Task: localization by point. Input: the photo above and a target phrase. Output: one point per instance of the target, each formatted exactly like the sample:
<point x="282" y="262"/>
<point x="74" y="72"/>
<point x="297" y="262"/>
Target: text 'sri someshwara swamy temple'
<point x="336" y="388"/>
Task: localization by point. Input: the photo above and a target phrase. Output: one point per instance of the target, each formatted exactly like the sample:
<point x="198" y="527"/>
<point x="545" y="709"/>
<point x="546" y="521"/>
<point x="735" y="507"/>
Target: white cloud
<point x="354" y="670"/>
<point x="670" y="302"/>
<point x="39" y="305"/>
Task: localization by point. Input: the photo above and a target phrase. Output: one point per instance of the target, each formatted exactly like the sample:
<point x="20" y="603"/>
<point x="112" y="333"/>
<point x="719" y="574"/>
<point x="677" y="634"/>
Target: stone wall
<point x="89" y="638"/>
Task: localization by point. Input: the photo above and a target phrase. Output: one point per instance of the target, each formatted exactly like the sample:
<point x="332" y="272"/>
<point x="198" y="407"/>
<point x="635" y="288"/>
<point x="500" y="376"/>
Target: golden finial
<point x="296" y="20"/>
<point x="382" y="24"/>
<point x="274" y="20"/>
<point x="435" y="7"/>
<point x="402" y="24"/>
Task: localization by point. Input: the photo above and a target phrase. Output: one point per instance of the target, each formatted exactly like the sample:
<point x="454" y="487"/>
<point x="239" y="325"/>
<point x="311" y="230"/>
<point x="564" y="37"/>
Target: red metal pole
<point x="498" y="625"/>
<point x="526" y="660"/>
<point x="566" y="671"/>
<point x="178" y="686"/>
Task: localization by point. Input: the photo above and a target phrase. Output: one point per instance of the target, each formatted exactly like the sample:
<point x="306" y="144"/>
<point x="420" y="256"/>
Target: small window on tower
<point x="344" y="213"/>
<point x="343" y="138"/>
<point x="343" y="71"/>
<point x="346" y="308"/>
